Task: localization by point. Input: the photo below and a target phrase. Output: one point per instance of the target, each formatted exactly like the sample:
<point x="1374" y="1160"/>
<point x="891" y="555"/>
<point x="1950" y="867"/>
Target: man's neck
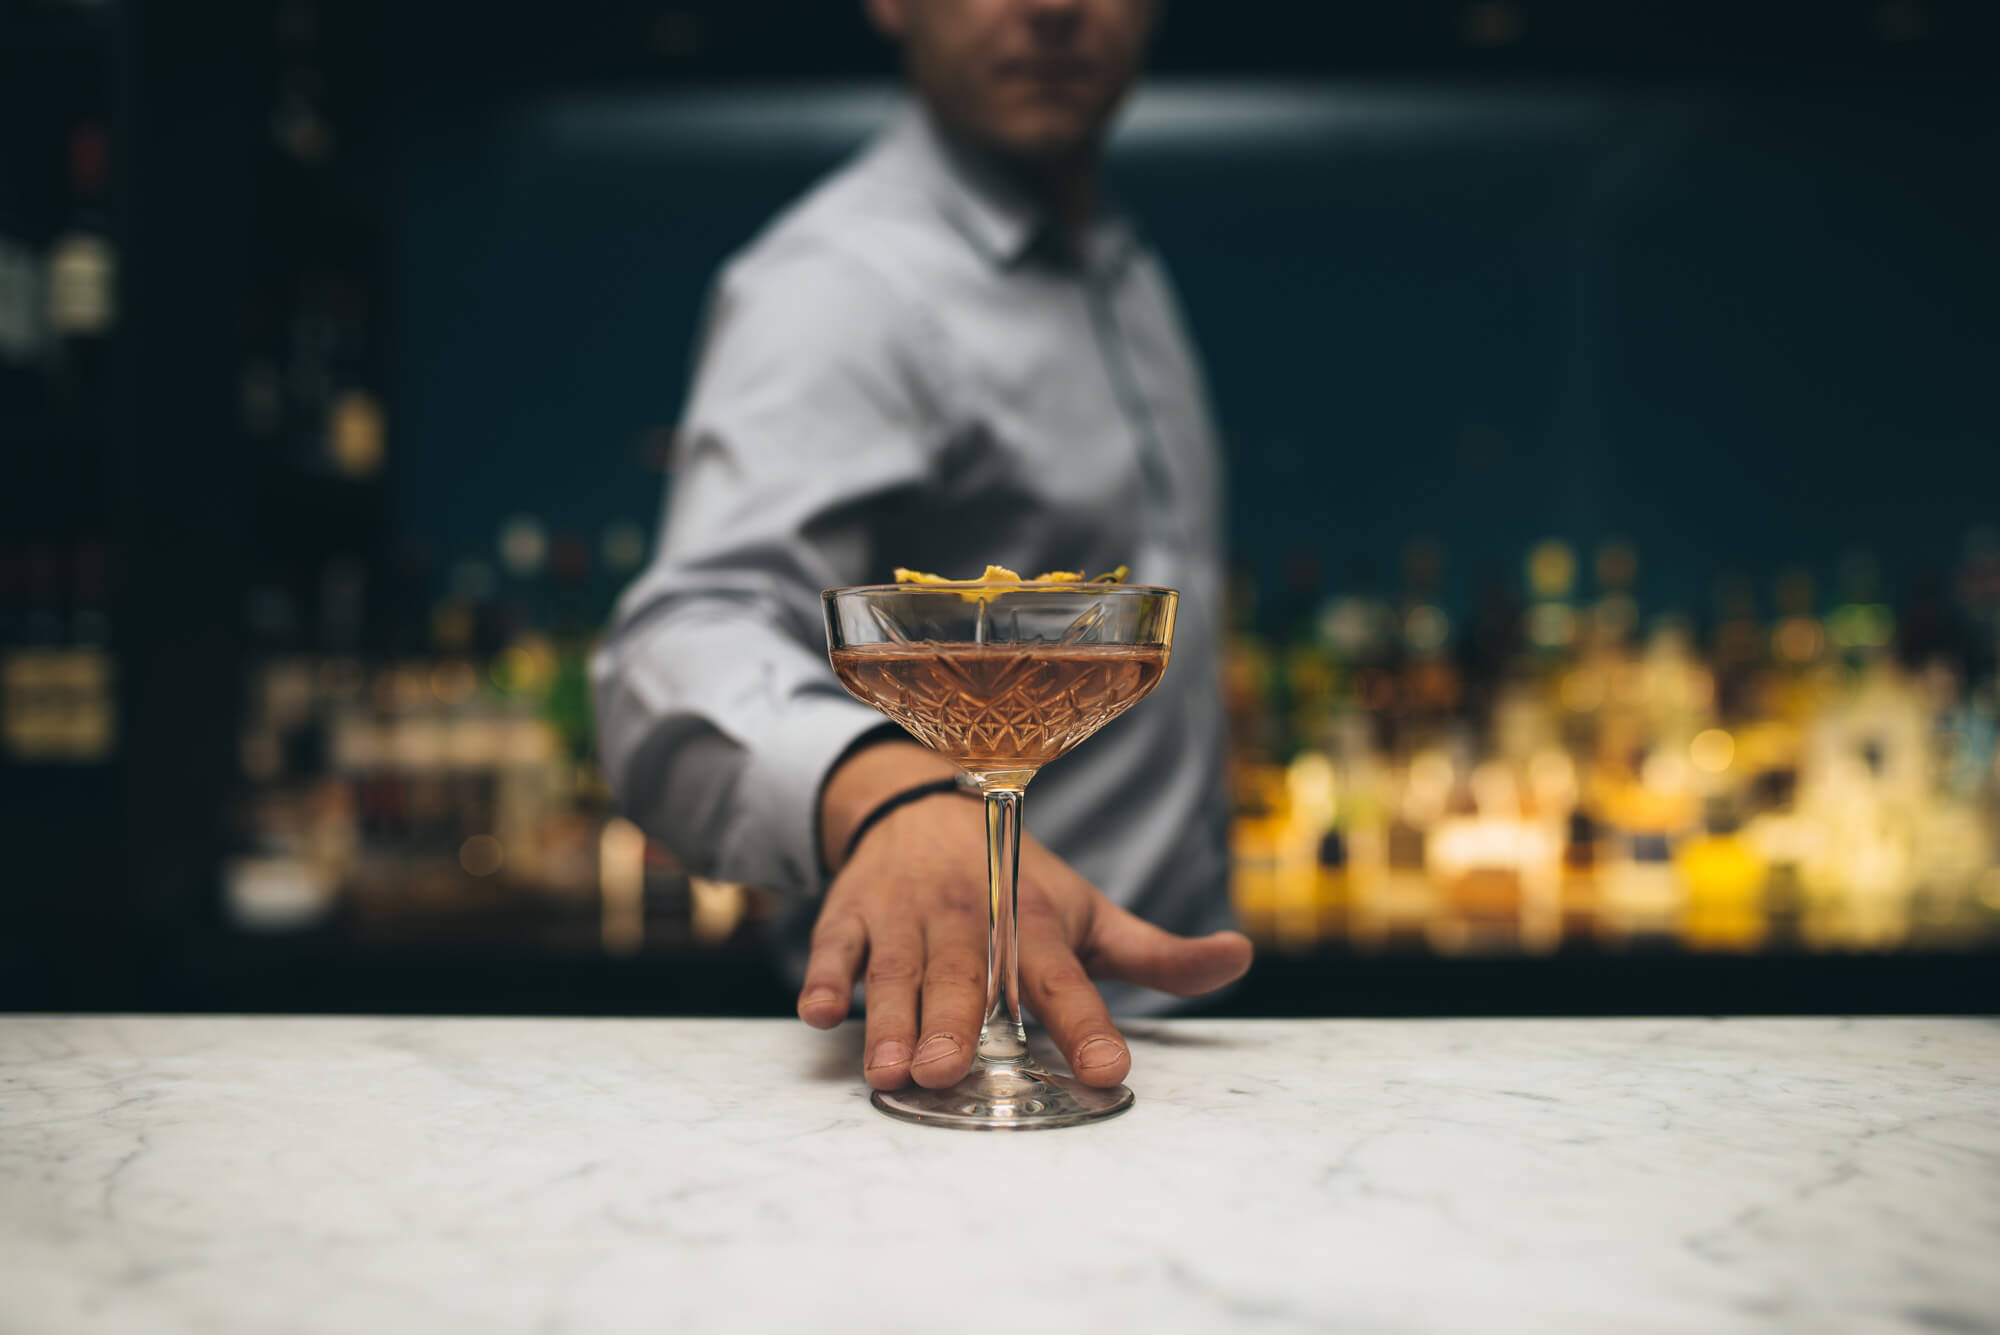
<point x="1064" y="187"/>
<point x="1067" y="188"/>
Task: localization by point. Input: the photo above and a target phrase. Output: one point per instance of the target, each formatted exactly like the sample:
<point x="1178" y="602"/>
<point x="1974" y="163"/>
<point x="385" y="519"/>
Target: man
<point x="948" y="354"/>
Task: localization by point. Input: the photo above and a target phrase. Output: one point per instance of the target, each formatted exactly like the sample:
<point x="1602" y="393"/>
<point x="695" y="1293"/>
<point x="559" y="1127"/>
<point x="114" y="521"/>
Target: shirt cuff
<point x="783" y="783"/>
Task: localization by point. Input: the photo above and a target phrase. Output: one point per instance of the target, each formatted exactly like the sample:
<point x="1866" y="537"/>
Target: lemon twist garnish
<point x="999" y="579"/>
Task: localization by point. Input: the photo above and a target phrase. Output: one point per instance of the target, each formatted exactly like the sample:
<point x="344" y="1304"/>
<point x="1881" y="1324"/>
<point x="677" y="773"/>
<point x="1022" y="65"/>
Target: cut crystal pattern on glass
<point x="1000" y="706"/>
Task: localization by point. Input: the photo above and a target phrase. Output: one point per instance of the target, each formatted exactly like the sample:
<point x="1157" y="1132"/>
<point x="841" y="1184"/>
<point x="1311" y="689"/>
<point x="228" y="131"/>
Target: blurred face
<point x="1036" y="80"/>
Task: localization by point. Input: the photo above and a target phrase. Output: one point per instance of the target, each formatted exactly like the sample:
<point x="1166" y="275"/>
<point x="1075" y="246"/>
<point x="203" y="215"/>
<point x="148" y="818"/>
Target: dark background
<point x="1745" y="329"/>
<point x="1718" y="278"/>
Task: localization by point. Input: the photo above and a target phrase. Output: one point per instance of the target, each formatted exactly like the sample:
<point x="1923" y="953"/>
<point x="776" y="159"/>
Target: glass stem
<point x="1002" y="1039"/>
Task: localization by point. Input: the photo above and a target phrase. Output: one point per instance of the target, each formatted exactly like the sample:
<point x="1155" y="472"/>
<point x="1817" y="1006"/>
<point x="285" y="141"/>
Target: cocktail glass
<point x="1001" y="679"/>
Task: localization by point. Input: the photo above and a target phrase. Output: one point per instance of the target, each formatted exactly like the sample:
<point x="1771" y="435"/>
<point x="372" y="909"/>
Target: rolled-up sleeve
<point x="813" y="417"/>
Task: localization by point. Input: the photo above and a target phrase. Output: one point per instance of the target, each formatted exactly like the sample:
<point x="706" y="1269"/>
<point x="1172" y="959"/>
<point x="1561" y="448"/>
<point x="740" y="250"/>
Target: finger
<point x="954" y="995"/>
<point x="838" y="944"/>
<point x="1124" y="946"/>
<point x="1068" y="1005"/>
<point x="895" y="968"/>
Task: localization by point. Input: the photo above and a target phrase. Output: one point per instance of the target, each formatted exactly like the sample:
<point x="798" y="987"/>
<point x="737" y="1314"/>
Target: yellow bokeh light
<point x="1583" y="690"/>
<point x="1312" y="788"/>
<point x="1798" y="639"/>
<point x="1712" y="750"/>
<point x="1551" y="625"/>
<point x="1427" y="629"/>
<point x="356" y="434"/>
<point x="527" y="667"/>
<point x="1664" y="773"/>
<point x="1989" y="889"/>
<point x="717" y="907"/>
<point x="1552" y="779"/>
<point x="1552" y="569"/>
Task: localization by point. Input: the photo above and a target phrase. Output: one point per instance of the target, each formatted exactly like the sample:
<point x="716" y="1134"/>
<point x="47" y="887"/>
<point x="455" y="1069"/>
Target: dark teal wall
<point x="1746" y="331"/>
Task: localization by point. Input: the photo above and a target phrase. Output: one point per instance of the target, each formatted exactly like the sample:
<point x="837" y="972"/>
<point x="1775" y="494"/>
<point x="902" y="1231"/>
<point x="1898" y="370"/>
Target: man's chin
<point x="1046" y="139"/>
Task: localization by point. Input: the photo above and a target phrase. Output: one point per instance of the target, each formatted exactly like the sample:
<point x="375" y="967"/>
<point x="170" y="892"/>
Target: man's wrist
<point x="864" y="779"/>
<point x="890" y="805"/>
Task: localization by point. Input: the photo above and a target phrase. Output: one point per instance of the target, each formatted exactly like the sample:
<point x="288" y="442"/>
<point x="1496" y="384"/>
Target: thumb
<point x="1126" y="947"/>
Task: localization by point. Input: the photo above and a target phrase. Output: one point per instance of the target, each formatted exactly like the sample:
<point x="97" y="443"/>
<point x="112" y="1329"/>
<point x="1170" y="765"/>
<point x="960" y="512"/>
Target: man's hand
<point x="911" y="905"/>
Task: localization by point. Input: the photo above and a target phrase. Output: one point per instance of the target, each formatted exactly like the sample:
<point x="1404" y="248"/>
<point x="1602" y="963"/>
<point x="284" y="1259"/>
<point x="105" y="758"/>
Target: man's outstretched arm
<point x="908" y="911"/>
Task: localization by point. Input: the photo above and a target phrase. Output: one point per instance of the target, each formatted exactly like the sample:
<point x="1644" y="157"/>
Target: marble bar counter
<point x="270" y="1175"/>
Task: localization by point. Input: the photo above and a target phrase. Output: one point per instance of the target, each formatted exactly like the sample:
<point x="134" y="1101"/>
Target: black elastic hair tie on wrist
<point x="891" y="803"/>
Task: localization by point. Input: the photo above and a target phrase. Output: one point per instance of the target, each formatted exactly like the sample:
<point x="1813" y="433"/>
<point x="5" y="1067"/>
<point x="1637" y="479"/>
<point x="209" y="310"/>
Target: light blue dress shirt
<point x="908" y="368"/>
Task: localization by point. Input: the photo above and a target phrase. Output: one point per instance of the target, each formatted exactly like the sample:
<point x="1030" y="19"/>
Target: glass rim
<point x="960" y="587"/>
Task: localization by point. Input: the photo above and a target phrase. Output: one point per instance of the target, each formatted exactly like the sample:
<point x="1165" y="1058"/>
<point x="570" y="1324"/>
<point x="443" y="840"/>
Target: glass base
<point x="994" y="1097"/>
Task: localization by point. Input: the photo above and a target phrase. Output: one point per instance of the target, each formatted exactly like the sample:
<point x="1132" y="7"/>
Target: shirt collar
<point x="999" y="219"/>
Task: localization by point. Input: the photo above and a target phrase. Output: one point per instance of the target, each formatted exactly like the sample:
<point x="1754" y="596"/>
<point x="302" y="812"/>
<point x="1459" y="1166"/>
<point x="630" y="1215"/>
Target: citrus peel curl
<point x="999" y="579"/>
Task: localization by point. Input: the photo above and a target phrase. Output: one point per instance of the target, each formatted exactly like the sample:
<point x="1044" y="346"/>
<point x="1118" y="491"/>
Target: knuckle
<point x="836" y="933"/>
<point x="892" y="969"/>
<point x="830" y="950"/>
<point x="1038" y="912"/>
<point x="955" y="969"/>
<point x="959" y="909"/>
<point x="1062" y="981"/>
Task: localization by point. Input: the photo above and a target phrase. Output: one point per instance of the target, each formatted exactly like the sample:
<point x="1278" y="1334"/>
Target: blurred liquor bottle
<point x="1783" y="841"/>
<point x="353" y="421"/>
<point x="1641" y="901"/>
<point x="1334" y="887"/>
<point x="23" y="307"/>
<point x="1359" y="632"/>
<point x="1641" y="896"/>
<point x="1251" y="701"/>
<point x="82" y="287"/>
<point x="1302" y="905"/>
<point x="1738" y="648"/>
<point x="1353" y="854"/>
<point x="58" y="679"/>
<point x="335" y="421"/>
<point x="1959" y="829"/>
<point x="1772" y="786"/>
<point x="1246" y="685"/>
<point x="1724" y="877"/>
<point x="1476" y="867"/>
<point x="1580" y="888"/>
<point x="275" y="876"/>
<point x="1552" y="622"/>
<point x="1429" y="698"/>
<point x="1615" y="616"/>
<point x="1395" y="907"/>
<point x="1867" y="781"/>
<point x="1257" y="839"/>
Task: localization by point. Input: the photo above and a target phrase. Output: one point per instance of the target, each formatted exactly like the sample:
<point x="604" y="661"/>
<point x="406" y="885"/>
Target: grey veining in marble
<point x="553" y="1176"/>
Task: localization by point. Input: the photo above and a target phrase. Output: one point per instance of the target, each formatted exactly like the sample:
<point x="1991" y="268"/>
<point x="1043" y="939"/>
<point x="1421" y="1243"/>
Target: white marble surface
<point x="222" y="1175"/>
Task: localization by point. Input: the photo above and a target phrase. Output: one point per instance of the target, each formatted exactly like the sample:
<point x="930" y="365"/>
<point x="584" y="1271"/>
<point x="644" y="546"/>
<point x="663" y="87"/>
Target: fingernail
<point x="889" y="1054"/>
<point x="935" y="1047"/>
<point x="819" y="996"/>
<point x="1098" y="1052"/>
